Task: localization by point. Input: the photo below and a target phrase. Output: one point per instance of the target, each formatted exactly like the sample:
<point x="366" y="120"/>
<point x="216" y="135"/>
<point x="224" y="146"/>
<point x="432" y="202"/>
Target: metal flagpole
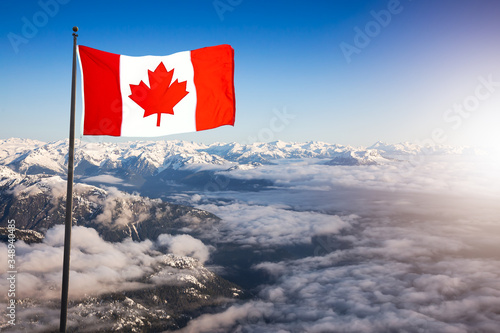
<point x="69" y="197"/>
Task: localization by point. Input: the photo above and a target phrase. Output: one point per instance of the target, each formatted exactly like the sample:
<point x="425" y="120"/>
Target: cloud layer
<point x="97" y="267"/>
<point x="393" y="250"/>
<point x="419" y="255"/>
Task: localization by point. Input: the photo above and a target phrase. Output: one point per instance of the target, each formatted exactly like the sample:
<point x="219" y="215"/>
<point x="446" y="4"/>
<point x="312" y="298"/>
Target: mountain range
<point x="118" y="191"/>
<point x="149" y="158"/>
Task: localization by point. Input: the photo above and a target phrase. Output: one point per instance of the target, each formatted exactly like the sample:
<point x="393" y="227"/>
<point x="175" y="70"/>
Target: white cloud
<point x="120" y="208"/>
<point x="185" y="245"/>
<point x="272" y="225"/>
<point x="108" y="179"/>
<point x="222" y="322"/>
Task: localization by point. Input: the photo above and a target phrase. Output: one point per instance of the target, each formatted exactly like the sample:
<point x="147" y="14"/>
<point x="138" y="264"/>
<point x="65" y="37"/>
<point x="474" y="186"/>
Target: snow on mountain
<point x="148" y="158"/>
<point x="361" y="157"/>
<point x="178" y="161"/>
<point x="12" y="148"/>
<point x="7" y="176"/>
<point x="266" y="152"/>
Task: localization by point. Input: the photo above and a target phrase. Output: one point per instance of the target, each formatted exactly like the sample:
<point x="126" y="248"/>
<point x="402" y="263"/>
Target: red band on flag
<point x="213" y="78"/>
<point x="101" y="92"/>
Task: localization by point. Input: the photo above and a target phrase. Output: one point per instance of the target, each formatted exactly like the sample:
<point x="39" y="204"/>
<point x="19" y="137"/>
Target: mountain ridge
<point x="36" y="202"/>
<point x="150" y="158"/>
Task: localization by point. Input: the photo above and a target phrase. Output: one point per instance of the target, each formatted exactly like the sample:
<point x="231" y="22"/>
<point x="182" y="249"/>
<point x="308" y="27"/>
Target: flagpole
<point x="69" y="197"/>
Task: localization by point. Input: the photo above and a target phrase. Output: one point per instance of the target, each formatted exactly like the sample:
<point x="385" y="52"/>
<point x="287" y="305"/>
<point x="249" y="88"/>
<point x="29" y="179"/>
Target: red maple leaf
<point x="161" y="96"/>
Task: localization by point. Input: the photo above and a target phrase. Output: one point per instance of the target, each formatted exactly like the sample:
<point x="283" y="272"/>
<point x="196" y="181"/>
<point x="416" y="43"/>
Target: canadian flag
<point x="157" y="95"/>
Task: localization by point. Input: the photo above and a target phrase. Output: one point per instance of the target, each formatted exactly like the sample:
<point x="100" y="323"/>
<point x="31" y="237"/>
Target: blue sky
<point x="419" y="73"/>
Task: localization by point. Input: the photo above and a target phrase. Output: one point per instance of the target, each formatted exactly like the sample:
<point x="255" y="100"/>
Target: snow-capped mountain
<point x="151" y="158"/>
<point x="37" y="203"/>
<point x="360" y="157"/>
